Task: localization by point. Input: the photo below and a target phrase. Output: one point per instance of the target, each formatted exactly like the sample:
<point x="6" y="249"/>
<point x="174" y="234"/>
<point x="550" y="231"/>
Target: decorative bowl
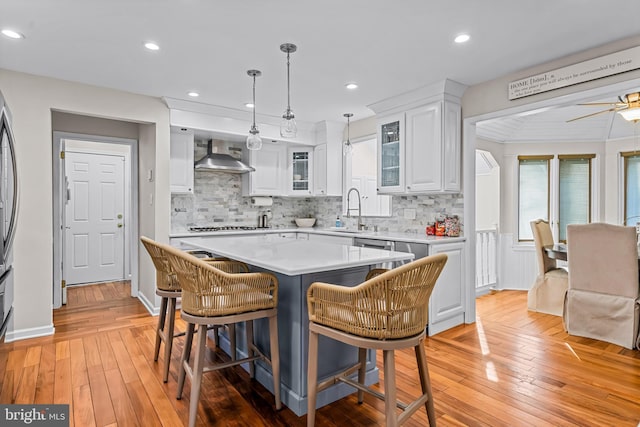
<point x="305" y="222"/>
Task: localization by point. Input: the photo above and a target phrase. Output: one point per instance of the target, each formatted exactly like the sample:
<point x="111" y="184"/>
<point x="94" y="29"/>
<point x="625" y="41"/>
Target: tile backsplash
<point x="217" y="199"/>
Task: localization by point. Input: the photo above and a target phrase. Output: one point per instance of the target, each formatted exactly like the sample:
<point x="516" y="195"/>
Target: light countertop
<point x="379" y="235"/>
<point x="291" y="256"/>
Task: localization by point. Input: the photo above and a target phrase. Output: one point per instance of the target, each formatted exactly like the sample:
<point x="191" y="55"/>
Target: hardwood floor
<point x="510" y="368"/>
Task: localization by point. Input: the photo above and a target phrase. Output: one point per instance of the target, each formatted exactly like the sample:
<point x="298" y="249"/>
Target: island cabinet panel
<point x="446" y="306"/>
<point x="293" y="340"/>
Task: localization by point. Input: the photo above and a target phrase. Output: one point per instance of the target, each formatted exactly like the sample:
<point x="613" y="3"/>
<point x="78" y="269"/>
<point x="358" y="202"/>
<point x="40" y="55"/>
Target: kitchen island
<point x="297" y="264"/>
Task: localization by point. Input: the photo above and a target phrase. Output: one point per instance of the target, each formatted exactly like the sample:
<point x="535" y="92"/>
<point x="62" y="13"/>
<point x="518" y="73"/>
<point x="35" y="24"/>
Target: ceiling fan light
<point x="630" y="114"/>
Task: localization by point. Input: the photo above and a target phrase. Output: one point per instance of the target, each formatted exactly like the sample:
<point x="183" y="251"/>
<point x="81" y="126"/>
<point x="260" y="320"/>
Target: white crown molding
<point x="444" y="90"/>
<point x="232" y="113"/>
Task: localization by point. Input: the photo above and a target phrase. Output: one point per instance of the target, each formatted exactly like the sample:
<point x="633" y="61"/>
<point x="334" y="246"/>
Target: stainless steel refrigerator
<point x="8" y="216"/>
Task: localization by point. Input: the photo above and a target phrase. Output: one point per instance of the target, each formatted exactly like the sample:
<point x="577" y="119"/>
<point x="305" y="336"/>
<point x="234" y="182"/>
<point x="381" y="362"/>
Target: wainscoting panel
<point x="517" y="264"/>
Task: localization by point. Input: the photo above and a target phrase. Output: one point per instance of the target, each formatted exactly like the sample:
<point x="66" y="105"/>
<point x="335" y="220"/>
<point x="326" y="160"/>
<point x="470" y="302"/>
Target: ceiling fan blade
<point x="593" y="114"/>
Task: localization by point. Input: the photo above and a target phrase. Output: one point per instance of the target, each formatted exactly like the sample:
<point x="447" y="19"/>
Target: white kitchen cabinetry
<point x="429" y="123"/>
<point x="328" y="159"/>
<point x="447" y="303"/>
<point x="300" y="171"/>
<point x="391" y="154"/>
<point x="269" y="177"/>
<point x="320" y="170"/>
<point x="181" y="162"/>
<point x="427" y="159"/>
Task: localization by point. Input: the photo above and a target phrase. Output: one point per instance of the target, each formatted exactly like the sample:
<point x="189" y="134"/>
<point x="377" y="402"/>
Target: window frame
<point x="589" y="158"/>
<point x="553" y="189"/>
<point x="625" y="155"/>
<point x="548" y="158"/>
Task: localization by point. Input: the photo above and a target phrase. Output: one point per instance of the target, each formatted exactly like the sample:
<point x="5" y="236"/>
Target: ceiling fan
<point x="628" y="107"/>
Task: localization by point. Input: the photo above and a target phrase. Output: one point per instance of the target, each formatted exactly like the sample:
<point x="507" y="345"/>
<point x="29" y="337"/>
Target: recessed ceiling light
<point x="12" y="34"/>
<point x="151" y="46"/>
<point x="462" y="38"/>
<point x="249" y="105"/>
<point x="193" y="94"/>
<point x="351" y="86"/>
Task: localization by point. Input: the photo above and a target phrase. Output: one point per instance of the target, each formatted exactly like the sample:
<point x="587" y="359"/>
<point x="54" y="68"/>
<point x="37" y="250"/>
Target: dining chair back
<point x="548" y="291"/>
<point x="603" y="300"/>
<point x="387" y="312"/>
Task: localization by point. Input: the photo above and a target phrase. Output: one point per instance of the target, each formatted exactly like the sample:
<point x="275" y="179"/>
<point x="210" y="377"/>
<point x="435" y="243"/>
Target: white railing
<point x="486" y="258"/>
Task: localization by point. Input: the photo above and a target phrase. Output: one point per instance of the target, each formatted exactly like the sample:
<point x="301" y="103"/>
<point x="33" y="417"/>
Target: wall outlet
<point x="410" y="213"/>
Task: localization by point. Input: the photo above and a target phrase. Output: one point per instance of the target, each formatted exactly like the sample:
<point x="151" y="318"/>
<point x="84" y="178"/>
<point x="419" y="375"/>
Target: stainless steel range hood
<point x="220" y="161"/>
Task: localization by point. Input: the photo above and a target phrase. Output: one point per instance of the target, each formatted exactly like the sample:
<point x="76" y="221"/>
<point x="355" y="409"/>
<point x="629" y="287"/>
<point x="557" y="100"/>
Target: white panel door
<point x="94" y="218"/>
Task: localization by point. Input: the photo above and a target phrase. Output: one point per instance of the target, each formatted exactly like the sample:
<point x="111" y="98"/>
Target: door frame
<point x="131" y="203"/>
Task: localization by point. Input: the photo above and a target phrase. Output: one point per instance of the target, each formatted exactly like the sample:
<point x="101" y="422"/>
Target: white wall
<point x="488" y="200"/>
<point x="493" y="96"/>
<point x="32" y="100"/>
<point x="365" y="152"/>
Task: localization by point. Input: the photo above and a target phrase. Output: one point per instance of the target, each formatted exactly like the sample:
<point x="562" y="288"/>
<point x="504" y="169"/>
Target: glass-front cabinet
<point x="300" y="171"/>
<point x="391" y="154"/>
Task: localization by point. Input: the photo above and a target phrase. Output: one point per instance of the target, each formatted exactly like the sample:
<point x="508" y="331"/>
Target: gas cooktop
<point x="222" y="228"/>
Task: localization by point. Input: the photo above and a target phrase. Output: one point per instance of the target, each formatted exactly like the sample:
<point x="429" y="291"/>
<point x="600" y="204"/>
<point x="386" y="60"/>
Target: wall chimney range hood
<point x="220" y="161"/>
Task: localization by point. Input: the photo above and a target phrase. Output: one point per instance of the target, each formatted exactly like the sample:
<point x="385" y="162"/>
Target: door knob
<point x="119" y="225"/>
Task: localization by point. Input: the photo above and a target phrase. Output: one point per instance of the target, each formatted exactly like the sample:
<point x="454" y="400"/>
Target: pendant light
<point x="254" y="142"/>
<point x="348" y="146"/>
<point x="288" y="127"/>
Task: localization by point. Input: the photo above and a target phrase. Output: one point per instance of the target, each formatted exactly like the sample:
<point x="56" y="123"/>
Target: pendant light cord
<point x="288" y="87"/>
<point x="254" y="103"/>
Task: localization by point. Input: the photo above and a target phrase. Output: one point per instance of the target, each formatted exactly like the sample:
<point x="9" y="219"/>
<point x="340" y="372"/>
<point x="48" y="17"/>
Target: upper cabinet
<point x="391" y="154"/>
<point x="300" y="171"/>
<point x="181" y="162"/>
<point x="270" y="176"/>
<point x="419" y="141"/>
<point x="328" y="159"/>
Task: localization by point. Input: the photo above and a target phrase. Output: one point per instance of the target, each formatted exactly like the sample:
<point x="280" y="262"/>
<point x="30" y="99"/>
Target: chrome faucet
<point x="349" y="209"/>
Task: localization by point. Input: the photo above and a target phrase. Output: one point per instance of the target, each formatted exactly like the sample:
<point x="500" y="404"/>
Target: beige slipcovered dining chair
<point x="548" y="291"/>
<point x="169" y="290"/>
<point x="603" y="300"/>
<point x="213" y="297"/>
<point x="388" y="312"/>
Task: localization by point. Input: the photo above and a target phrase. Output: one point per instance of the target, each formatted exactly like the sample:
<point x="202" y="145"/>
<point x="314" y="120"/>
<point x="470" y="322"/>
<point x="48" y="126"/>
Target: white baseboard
<point x="23" y="334"/>
<point x="151" y="308"/>
<point x="154" y="311"/>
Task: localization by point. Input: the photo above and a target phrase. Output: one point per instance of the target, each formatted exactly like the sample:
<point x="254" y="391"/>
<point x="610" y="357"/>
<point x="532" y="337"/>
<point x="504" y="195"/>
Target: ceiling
<point x="387" y="47"/>
<point x="551" y="124"/>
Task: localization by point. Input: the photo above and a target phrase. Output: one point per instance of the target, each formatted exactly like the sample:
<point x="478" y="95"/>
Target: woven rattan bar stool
<point x="168" y="289"/>
<point x="213" y="297"/>
<point x="388" y="312"/>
